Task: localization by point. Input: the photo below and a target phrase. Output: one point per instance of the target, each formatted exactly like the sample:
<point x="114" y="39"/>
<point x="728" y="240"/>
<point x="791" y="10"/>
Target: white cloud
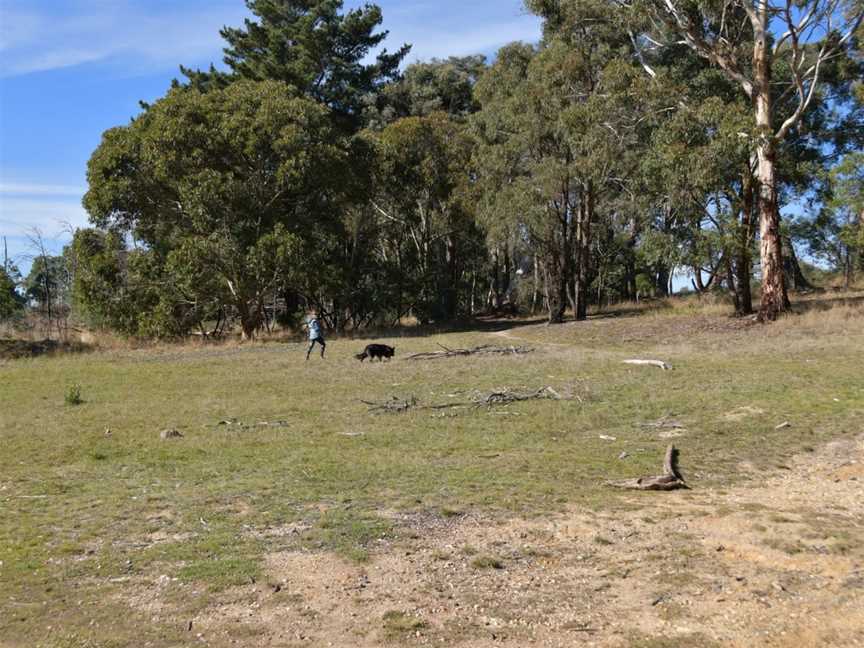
<point x="129" y="32"/>
<point x="472" y="40"/>
<point x="29" y="189"/>
<point x="138" y="37"/>
<point x="18" y="217"/>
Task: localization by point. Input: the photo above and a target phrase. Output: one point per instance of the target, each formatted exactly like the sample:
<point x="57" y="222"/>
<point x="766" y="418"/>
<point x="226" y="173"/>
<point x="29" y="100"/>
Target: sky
<point x="71" y="69"/>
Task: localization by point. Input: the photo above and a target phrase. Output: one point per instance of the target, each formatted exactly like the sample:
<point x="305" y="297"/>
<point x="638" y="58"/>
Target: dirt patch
<point x="774" y="563"/>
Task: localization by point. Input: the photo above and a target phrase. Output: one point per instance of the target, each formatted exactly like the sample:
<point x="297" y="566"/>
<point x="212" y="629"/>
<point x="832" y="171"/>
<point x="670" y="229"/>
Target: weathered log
<point x="653" y="363"/>
<point x="671" y="479"/>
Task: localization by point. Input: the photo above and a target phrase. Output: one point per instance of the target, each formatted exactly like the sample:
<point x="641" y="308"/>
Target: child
<point x="315" y="334"/>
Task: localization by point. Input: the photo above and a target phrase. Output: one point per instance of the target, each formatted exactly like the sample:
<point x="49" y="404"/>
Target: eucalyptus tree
<point x="439" y="85"/>
<point x="779" y="53"/>
<point x="421" y="189"/>
<point x="559" y="125"/>
<point x="225" y="190"/>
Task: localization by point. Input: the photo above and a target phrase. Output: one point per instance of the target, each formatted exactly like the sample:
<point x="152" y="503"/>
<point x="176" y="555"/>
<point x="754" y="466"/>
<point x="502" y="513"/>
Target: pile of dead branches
<point x="396" y="405"/>
<point x="485" y="349"/>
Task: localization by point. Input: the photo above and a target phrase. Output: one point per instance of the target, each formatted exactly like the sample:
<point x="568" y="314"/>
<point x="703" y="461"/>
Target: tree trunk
<point x="535" y="296"/>
<point x="698" y="284"/>
<point x="451" y="290"/>
<point x="792" y="269"/>
<point x="661" y="282"/>
<point x="585" y="214"/>
<point x="556" y="292"/>
<point x="248" y="321"/>
<point x="743" y="263"/>
<point x="730" y="282"/>
<point x="493" y="302"/>
<point x="506" y="276"/>
<point x="771" y="254"/>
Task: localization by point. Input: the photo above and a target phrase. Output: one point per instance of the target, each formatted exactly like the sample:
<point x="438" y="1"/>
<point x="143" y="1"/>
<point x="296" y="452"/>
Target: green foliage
<point x="425" y="88"/>
<point x="222" y="189"/>
<point x="311" y="46"/>
<point x="11" y="301"/>
<point x="593" y="166"/>
<point x="397" y="625"/>
<point x="422" y="182"/>
<point x="73" y="395"/>
<point x="47" y="283"/>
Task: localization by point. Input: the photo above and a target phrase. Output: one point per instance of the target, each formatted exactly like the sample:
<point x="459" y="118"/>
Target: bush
<point x="73" y="395"/>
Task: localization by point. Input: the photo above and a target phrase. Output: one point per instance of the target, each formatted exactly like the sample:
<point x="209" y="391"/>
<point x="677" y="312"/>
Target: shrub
<point x="73" y="395"/>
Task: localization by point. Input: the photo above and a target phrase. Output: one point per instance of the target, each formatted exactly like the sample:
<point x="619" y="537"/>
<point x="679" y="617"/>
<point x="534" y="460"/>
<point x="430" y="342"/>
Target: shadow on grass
<point x="827" y="303"/>
<point x="11" y="349"/>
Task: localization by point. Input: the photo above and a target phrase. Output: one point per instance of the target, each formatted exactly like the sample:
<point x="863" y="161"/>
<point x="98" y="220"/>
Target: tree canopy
<point x="635" y="143"/>
<point x="311" y="45"/>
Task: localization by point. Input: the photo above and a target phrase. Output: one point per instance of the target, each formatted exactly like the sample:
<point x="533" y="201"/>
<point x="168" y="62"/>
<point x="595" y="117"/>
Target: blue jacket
<point x="314" y="327"/>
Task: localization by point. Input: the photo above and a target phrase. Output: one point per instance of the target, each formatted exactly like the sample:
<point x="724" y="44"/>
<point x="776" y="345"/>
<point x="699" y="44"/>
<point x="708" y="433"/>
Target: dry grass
<point x="92" y="497"/>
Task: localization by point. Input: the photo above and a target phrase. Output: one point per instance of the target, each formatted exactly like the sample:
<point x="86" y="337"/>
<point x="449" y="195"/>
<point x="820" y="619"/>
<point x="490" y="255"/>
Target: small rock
<point x="170" y="433"/>
<point x="623" y="455"/>
<point x="606" y="437"/>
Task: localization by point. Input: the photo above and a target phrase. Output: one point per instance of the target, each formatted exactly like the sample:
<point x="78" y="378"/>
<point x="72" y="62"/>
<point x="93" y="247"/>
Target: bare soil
<point x="776" y="561"/>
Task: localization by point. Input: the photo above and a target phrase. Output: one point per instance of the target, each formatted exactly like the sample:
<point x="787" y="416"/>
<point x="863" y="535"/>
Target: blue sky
<point x="70" y="69"/>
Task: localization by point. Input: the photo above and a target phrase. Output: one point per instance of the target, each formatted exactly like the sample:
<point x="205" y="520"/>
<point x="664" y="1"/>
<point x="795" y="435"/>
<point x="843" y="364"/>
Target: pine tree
<point x="310" y="45"/>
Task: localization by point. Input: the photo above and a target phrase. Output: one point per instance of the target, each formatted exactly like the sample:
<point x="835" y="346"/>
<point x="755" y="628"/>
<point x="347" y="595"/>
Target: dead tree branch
<point x="486" y="349"/>
<point x="392" y="406"/>
<point x="671" y="479"/>
<point x="398" y="405"/>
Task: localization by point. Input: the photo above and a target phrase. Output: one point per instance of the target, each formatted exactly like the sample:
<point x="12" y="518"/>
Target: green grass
<point x="487" y="562"/>
<point x="398" y="624"/>
<point x="78" y="504"/>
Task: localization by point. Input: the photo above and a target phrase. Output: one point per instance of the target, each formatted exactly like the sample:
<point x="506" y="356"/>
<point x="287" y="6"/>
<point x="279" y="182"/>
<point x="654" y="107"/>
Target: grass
<point x="487" y="562"/>
<point x="398" y="624"/>
<point x="77" y="503"/>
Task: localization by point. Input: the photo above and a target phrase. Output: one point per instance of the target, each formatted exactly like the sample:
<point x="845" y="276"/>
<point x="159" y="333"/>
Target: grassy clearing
<point x="91" y="496"/>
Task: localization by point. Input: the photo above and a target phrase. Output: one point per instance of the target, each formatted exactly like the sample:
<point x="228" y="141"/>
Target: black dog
<point x="379" y="351"/>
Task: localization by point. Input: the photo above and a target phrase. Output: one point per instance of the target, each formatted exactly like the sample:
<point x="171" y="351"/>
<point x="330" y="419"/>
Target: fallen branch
<point x="393" y="406"/>
<point x="506" y="396"/>
<point x="486" y="349"/>
<point x="653" y="363"/>
<point x="671" y="479"/>
<point x="501" y="397"/>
